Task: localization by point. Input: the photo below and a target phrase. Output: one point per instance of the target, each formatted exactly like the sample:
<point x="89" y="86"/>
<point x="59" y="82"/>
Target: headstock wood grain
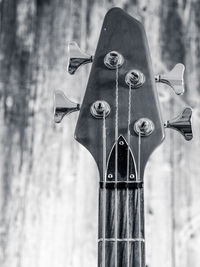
<point x="120" y="125"/>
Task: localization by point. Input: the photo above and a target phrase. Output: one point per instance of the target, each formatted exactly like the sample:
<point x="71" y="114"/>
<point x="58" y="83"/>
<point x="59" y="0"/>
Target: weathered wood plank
<point x="48" y="197"/>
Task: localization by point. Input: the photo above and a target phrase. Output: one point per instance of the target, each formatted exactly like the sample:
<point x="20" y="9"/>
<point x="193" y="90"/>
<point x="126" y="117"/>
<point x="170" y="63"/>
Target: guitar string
<point x="139" y="179"/>
<point x="104" y="191"/>
<point x="116" y="158"/>
<point x="128" y="174"/>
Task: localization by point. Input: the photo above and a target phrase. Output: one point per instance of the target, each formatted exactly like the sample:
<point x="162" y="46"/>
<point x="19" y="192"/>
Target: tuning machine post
<point x="182" y="123"/>
<point x="63" y="106"/>
<point x="174" y="78"/>
<point x="77" y="57"/>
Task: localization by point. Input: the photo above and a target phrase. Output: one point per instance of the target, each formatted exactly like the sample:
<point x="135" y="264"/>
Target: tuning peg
<point x="174" y="78"/>
<point x="182" y="123"/>
<point x="76" y="57"/>
<point x="63" y="106"/>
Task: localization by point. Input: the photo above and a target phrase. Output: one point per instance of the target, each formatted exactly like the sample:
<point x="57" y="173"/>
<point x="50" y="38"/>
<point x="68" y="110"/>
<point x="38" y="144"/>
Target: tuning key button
<point x="174" y="78"/>
<point x="76" y="57"/>
<point x="63" y="106"/>
<point x="182" y="123"/>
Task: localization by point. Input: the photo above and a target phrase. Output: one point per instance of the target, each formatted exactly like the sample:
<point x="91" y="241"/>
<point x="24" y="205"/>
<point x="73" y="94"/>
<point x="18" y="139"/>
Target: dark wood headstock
<point x="123" y="34"/>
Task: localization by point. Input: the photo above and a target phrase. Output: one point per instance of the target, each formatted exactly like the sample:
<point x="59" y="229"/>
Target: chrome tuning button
<point x="174" y="78"/>
<point x="182" y="123"/>
<point x="76" y="57"/>
<point x="63" y="106"/>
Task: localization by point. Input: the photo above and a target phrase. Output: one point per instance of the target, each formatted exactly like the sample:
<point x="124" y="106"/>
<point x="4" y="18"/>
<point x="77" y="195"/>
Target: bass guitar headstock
<point x="120" y="121"/>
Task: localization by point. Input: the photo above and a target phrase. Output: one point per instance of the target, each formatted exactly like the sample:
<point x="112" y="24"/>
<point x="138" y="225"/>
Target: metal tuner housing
<point x="144" y="127"/>
<point x="135" y="78"/>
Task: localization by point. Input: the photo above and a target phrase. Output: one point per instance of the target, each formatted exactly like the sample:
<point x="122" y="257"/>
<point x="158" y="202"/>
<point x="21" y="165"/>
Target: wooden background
<point x="48" y="182"/>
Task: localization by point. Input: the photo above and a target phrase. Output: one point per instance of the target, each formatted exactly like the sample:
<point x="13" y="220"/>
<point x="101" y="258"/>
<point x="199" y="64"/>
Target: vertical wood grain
<point x="48" y="183"/>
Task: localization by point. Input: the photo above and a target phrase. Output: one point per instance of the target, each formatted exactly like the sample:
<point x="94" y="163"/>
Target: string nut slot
<point x="144" y="127"/>
<point x="113" y="60"/>
<point x="135" y="78"/>
<point x="99" y="109"/>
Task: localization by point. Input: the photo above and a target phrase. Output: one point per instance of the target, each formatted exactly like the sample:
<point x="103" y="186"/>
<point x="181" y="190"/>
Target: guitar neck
<point x="121" y="227"/>
<point x="120" y="124"/>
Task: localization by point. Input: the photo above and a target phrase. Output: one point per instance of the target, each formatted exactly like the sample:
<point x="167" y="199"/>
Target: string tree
<point x="174" y="78"/>
<point x="76" y="57"/>
<point x="182" y="123"/>
<point x="63" y="106"/>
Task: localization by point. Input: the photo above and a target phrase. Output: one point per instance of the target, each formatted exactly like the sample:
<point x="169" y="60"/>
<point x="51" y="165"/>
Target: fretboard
<point x="121" y="225"/>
